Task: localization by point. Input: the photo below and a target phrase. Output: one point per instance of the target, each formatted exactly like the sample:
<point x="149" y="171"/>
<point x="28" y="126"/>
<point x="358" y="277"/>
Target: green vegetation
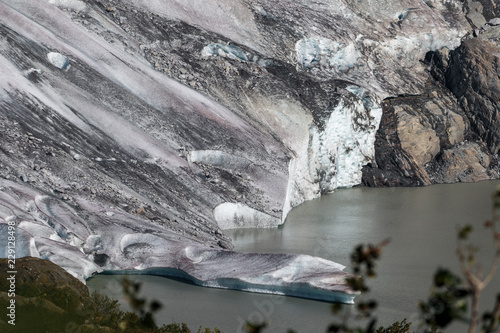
<point x="62" y="309"/>
<point x="397" y="327"/>
<point x="96" y="314"/>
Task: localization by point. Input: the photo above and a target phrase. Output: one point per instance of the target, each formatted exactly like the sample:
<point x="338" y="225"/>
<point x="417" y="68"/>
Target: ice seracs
<point x="337" y="151"/>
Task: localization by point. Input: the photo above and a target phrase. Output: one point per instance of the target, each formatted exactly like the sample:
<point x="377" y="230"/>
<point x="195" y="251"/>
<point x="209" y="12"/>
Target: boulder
<point x="495" y="21"/>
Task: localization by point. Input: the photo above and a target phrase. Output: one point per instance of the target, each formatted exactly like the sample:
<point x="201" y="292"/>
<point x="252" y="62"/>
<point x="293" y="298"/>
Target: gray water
<point x="421" y="223"/>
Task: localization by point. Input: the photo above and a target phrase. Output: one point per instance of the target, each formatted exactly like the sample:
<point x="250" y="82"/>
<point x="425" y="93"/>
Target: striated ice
<point x="219" y="159"/>
<point x="373" y="49"/>
<point x="39" y="230"/>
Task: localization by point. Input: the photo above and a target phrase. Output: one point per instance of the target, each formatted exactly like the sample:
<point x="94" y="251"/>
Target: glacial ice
<point x="58" y="60"/>
<point x="224" y="50"/>
<point x="231" y="215"/>
<point x="307" y="52"/>
<point x="335" y="155"/>
<point x="322" y="157"/>
<point x="326" y="53"/>
<point x="76" y="5"/>
<point x="158" y="251"/>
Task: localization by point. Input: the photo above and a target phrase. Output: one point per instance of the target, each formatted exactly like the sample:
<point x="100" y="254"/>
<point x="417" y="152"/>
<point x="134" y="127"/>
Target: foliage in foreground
<point x="96" y="314"/>
<point x="451" y="298"/>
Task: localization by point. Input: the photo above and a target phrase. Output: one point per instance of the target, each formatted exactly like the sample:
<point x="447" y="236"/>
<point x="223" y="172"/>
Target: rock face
<point x="472" y="75"/>
<point x="443" y="137"/>
<point x="428" y="139"/>
<point x="481" y="11"/>
<point x="132" y="132"/>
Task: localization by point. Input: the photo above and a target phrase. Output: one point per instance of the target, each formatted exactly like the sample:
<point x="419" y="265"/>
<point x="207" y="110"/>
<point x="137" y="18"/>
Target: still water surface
<point x="421" y="223"/>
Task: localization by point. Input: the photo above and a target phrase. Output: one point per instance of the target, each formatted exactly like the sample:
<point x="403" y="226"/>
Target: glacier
<point x="86" y="239"/>
<point x="133" y="133"/>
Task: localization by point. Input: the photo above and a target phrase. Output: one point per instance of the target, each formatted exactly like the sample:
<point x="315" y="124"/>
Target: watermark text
<point x="11" y="271"/>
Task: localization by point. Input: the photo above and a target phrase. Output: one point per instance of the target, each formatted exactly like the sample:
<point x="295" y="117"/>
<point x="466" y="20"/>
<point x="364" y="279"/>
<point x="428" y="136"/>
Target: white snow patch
<point x="76" y="5"/>
<point x="58" y="60"/>
<point x="236" y="215"/>
<point x="327" y="54"/>
<point x="413" y="48"/>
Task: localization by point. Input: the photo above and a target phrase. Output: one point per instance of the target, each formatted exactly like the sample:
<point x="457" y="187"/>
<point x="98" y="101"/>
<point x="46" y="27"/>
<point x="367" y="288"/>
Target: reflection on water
<point x="421" y="223"/>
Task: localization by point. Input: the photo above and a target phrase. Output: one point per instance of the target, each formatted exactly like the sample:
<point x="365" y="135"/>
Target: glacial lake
<point x="421" y="223"/>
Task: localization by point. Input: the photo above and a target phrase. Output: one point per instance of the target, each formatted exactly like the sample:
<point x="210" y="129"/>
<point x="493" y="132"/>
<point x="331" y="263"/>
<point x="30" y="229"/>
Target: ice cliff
<point x="134" y="132"/>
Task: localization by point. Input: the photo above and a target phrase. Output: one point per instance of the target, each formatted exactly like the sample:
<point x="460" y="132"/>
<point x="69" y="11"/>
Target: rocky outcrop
<point x="471" y="72"/>
<point x="481" y="11"/>
<point x="451" y="133"/>
<point x="427" y="139"/>
<point x="472" y="75"/>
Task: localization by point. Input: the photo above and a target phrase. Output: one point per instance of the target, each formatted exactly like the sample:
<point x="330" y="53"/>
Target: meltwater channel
<point x="421" y="223"/>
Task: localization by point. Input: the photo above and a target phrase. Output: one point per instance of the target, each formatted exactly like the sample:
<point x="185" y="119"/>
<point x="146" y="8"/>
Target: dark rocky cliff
<point x="450" y="133"/>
